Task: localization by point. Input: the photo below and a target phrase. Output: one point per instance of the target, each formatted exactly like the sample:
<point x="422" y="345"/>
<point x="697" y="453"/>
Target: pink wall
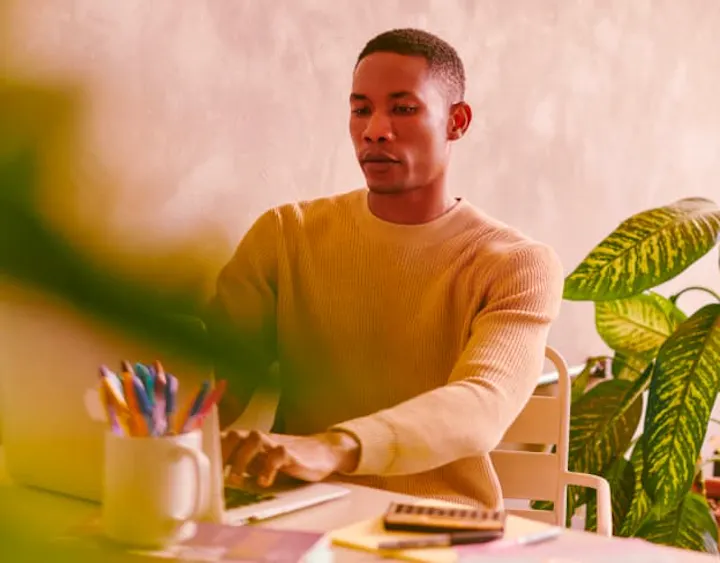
<point x="200" y="115"/>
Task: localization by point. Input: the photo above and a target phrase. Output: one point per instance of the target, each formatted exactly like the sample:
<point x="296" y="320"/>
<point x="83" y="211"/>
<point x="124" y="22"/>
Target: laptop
<point x="54" y="423"/>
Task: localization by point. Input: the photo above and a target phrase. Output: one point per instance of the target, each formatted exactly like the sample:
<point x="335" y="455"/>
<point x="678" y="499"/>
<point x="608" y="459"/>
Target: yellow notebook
<point x="367" y="534"/>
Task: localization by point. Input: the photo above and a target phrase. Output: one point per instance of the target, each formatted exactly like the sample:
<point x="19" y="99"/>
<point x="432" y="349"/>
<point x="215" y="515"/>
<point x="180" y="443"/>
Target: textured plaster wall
<point x="201" y="114"/>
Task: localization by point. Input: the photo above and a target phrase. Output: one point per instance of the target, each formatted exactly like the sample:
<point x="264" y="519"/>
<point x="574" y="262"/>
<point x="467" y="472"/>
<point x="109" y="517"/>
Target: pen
<point x="158" y="370"/>
<point x="148" y="381"/>
<point x="158" y="411"/>
<point x="193" y="404"/>
<point x="111" y="391"/>
<point x="143" y="401"/>
<point x="114" y="389"/>
<point x="171" y="388"/>
<point x="136" y="420"/>
<point x="110" y="411"/>
<point x="443" y="540"/>
<point x="115" y="406"/>
<point x="199" y="398"/>
<point x="212" y="399"/>
<point x="530" y="539"/>
<point x="114" y="381"/>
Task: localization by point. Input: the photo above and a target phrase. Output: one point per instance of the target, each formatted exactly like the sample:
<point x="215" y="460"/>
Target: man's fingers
<point x="230" y="442"/>
<point x="275" y="459"/>
<point x="256" y="465"/>
<point x="253" y="445"/>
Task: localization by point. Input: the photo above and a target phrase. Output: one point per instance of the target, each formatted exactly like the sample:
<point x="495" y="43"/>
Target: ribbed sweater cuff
<point x="378" y="445"/>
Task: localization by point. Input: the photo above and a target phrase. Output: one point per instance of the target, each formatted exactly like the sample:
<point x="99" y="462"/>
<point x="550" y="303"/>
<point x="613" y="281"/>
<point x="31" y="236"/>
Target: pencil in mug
<point x="143" y="401"/>
<point x="158" y="409"/>
<point x="109" y="409"/>
<point x="171" y="389"/>
<point x="116" y="394"/>
<point x="136" y="421"/>
<point x="148" y="381"/>
<point x="158" y="372"/>
<point x="110" y="412"/>
<point x="112" y="395"/>
<point x="194" y="403"/>
<point x="211" y="400"/>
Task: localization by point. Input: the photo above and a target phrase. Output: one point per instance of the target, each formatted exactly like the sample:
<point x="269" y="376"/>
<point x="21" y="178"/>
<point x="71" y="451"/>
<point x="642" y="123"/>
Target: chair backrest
<point x="536" y="475"/>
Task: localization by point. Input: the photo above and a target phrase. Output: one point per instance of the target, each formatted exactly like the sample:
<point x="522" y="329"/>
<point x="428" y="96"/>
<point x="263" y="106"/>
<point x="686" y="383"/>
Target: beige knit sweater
<point x="423" y="341"/>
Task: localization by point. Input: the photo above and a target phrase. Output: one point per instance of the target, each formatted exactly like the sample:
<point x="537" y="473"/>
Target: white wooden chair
<point x="544" y="475"/>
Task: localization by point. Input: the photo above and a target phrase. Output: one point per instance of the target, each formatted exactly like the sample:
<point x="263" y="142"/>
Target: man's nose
<point x="379" y="128"/>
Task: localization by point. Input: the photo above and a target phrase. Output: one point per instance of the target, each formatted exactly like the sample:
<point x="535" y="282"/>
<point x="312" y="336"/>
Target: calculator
<point x="423" y="518"/>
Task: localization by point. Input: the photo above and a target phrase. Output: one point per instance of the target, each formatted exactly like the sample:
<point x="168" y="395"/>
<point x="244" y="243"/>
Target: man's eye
<point x="361" y="111"/>
<point x="405" y="110"/>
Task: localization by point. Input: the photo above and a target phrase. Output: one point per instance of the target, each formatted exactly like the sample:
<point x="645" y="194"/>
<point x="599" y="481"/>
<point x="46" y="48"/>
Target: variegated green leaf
<point x="640" y="505"/>
<point x="579" y="384"/>
<point x="603" y="423"/>
<point x="591" y="511"/>
<point x="636" y="326"/>
<point x="621" y="478"/>
<point x="599" y="403"/>
<point x="674" y="313"/>
<point x="683" y="389"/>
<point x="645" y="250"/>
<point x="628" y="367"/>
<point x="689" y="525"/>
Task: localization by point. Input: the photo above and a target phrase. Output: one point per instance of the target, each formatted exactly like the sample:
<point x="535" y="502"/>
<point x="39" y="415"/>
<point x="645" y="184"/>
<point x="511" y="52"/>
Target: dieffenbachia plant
<point x="661" y="353"/>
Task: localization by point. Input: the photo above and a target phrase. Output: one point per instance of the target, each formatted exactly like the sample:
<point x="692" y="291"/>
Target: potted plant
<point x="658" y="351"/>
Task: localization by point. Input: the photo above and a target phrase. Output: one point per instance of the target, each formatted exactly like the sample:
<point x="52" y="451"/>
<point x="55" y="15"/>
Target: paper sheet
<point x="572" y="548"/>
<point x="366" y="535"/>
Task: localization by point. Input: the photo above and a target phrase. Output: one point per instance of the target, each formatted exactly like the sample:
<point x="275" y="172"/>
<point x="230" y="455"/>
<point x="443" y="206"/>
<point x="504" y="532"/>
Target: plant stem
<point x="707" y="290"/>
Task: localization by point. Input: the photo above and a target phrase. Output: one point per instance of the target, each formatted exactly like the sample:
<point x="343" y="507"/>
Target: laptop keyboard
<point x="238" y="497"/>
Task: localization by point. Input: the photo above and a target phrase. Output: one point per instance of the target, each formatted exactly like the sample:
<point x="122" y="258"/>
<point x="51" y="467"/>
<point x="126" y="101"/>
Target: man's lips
<point x="377" y="166"/>
<point x="379" y="159"/>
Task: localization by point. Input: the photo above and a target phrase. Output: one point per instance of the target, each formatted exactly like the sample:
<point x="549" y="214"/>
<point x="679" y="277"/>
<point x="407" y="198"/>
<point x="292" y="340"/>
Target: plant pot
<point x="712" y="494"/>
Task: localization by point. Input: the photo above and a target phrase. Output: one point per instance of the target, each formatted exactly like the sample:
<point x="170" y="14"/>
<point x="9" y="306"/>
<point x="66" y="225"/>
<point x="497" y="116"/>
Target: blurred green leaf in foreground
<point x="37" y="150"/>
<point x="36" y="147"/>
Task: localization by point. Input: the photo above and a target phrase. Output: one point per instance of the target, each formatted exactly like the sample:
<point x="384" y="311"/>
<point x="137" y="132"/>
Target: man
<point x="409" y="327"/>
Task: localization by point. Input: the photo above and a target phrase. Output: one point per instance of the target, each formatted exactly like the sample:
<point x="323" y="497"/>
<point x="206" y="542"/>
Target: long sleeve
<point x="489" y="385"/>
<point x="241" y="317"/>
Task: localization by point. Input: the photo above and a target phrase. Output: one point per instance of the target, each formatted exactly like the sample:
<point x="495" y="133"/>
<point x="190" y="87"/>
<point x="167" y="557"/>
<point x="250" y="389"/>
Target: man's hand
<point x="308" y="458"/>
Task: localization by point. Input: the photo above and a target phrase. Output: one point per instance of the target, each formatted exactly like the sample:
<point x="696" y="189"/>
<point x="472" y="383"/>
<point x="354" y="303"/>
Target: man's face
<point x="399" y="122"/>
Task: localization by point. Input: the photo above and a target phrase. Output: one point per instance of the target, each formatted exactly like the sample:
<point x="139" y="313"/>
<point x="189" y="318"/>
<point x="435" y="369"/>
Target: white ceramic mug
<point x="154" y="488"/>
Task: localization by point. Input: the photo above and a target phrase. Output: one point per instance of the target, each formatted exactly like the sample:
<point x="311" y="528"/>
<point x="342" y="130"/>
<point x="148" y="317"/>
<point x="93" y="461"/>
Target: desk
<point x="41" y="516"/>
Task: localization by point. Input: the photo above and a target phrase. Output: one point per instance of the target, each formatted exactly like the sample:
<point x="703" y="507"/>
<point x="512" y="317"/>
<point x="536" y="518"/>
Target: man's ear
<point x="459" y="120"/>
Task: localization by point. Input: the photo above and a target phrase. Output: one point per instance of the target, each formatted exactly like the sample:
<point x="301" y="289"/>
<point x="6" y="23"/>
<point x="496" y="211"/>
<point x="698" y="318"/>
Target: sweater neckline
<point x="443" y="227"/>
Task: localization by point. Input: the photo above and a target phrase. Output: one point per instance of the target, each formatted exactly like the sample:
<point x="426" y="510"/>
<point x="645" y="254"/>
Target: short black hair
<point x="441" y="57"/>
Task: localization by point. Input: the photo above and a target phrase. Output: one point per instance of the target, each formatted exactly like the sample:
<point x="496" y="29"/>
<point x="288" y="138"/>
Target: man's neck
<point x="413" y="207"/>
